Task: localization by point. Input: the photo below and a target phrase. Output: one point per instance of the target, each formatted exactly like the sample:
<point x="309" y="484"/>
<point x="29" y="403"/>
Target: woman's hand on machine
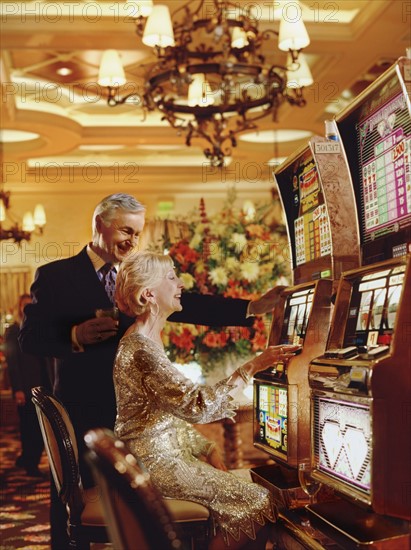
<point x="271" y="356"/>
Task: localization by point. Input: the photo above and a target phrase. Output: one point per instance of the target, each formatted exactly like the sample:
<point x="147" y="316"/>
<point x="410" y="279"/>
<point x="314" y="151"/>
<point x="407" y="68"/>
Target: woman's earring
<point x="158" y="309"/>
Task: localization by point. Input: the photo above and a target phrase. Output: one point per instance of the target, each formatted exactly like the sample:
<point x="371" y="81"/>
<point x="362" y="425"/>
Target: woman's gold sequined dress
<point x="156" y="407"/>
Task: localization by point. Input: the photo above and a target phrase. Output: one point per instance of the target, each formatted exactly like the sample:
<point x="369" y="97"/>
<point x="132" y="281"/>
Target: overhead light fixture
<point x="20" y="232"/>
<point x="211" y="79"/>
<point x="64" y="71"/>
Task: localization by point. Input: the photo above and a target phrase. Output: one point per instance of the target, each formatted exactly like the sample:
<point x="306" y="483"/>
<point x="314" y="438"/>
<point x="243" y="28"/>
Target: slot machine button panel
<point x="343" y="353"/>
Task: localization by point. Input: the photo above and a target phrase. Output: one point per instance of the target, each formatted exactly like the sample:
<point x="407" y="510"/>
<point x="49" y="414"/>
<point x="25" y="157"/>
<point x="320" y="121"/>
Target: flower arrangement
<point x="236" y="254"/>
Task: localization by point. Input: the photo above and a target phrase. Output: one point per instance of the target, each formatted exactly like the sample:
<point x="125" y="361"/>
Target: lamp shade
<point x="239" y="38"/>
<point x="292" y="35"/>
<point x="111" y="71"/>
<point x="28" y="222"/>
<point x="39" y="215"/>
<point x="2" y="211"/>
<point x="159" y="29"/>
<point x="299" y="74"/>
<point x="139" y="8"/>
<point x="199" y="92"/>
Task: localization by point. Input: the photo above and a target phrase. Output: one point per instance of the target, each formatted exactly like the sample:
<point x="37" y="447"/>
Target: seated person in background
<point x="25" y="372"/>
<point x="157" y="405"/>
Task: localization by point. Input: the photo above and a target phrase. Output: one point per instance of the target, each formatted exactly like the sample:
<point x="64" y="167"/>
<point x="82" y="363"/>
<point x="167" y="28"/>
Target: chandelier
<point x="20" y="232"/>
<point x="211" y="79"/>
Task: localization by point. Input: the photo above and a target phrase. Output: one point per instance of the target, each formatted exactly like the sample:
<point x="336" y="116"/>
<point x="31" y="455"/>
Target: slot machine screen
<point x="307" y="216"/>
<point x="377" y="141"/>
<point x="271" y="410"/>
<point x="343" y="441"/>
<point x="297" y="313"/>
<point x="373" y="307"/>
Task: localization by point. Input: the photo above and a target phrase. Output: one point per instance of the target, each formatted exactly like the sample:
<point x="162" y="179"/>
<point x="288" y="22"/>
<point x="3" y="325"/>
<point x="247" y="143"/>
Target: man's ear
<point x="99" y="223"/>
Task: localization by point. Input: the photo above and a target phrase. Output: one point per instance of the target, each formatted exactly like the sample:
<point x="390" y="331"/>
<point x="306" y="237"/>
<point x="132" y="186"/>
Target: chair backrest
<point x="61" y="447"/>
<point x="135" y="513"/>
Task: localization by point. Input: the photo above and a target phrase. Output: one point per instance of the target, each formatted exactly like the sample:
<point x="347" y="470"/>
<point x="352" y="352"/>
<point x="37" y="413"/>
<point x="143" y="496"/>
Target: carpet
<point x="24" y="501"/>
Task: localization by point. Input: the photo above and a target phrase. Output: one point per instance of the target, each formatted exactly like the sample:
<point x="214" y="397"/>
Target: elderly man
<point x="61" y="322"/>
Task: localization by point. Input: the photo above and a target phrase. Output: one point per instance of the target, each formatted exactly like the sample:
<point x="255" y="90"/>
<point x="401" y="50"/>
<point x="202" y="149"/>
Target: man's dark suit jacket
<point x="66" y="293"/>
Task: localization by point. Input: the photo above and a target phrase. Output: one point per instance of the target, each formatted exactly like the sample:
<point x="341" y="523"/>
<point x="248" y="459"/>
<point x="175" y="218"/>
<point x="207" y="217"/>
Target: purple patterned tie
<point x="108" y="278"/>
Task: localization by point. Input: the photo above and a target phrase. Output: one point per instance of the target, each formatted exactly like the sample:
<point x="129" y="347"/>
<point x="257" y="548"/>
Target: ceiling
<point x="81" y="142"/>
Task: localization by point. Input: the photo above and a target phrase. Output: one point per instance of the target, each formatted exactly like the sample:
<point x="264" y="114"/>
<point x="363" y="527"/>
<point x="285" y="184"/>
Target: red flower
<point x="214" y="340"/>
<point x="259" y="342"/>
<point x="184" y="255"/>
<point x="183" y="341"/>
<point x="239" y="333"/>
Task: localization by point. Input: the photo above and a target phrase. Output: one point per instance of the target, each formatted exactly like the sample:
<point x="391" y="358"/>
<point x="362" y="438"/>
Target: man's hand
<point x="267" y="301"/>
<point x="96" y="330"/>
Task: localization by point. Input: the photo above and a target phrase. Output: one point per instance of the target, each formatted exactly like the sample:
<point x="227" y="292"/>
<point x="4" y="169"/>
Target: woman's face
<point x="168" y="293"/>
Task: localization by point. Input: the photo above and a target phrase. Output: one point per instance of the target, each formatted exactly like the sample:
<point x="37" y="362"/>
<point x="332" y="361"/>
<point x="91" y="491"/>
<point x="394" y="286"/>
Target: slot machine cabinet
<point x="316" y="194"/>
<point x="361" y="384"/>
<point x="282" y="394"/>
<point x="320" y="247"/>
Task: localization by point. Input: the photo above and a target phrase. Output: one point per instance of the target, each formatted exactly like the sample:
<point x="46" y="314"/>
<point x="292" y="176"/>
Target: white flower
<point x="231" y="263"/>
<point x="200" y="229"/>
<point x="283" y="281"/>
<point x="196" y="240"/>
<point x="218" y="229"/>
<point x="238" y="241"/>
<point x="218" y="276"/>
<point x="187" y="280"/>
<point x="250" y="271"/>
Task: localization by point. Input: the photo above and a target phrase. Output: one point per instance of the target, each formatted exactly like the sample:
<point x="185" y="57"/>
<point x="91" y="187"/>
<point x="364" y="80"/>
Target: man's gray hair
<point x="108" y="207"/>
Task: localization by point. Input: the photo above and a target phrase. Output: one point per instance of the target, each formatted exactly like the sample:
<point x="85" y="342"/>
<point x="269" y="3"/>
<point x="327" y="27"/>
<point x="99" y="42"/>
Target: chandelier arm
<point x="187" y="4"/>
<point x="215" y="68"/>
<point x="112" y="100"/>
<point x="5" y="197"/>
<point x="15" y="234"/>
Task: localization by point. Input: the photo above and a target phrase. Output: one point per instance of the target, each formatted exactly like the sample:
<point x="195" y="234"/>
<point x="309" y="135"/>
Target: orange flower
<point x="259" y="341"/>
<point x="184" y="255"/>
<point x="215" y="340"/>
<point x="183" y="341"/>
<point x="239" y="333"/>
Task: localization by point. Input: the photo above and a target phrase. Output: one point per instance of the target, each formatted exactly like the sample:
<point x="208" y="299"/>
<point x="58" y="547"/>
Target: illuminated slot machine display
<point x="361" y="384"/>
<point x="321" y="247"/>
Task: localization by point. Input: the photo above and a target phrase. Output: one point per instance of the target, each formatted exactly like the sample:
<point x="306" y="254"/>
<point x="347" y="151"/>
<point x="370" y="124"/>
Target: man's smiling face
<point x="117" y="240"/>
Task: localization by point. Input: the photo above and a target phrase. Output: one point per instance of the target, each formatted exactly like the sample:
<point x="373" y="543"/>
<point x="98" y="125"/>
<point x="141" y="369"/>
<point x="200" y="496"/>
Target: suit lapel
<point x="86" y="281"/>
<point x="89" y="288"/>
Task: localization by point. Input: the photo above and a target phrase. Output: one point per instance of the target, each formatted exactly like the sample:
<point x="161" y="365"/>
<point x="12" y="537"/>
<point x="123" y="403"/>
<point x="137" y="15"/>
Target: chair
<point x="86" y="521"/>
<point x="134" y="509"/>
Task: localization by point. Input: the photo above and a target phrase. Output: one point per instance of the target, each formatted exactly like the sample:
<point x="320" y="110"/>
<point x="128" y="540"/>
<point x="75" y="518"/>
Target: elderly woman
<point x="157" y="406"/>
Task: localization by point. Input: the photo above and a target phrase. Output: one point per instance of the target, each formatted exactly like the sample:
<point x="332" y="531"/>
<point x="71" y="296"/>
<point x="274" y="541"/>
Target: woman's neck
<point x="149" y="327"/>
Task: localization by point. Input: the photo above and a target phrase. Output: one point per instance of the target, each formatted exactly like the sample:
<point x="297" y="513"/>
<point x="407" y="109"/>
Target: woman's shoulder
<point x="140" y="341"/>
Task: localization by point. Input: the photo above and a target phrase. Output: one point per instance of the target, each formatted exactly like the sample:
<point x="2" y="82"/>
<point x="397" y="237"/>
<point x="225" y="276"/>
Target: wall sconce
<point x="18" y="232"/>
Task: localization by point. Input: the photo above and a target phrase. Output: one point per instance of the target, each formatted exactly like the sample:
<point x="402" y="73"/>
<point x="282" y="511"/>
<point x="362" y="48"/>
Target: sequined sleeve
<point x="174" y="393"/>
<point x="192" y="439"/>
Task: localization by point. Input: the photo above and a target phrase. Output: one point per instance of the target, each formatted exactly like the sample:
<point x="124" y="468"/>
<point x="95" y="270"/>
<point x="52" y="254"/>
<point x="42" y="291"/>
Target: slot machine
<point x="323" y="241"/>
<point x="361" y="384"/>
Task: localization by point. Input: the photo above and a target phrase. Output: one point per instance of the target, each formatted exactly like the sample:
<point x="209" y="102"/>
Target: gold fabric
<point x="156" y="407"/>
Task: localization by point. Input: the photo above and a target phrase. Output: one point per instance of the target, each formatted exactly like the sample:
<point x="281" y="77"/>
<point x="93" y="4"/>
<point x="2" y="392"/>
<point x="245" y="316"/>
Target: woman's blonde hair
<point x="139" y="272"/>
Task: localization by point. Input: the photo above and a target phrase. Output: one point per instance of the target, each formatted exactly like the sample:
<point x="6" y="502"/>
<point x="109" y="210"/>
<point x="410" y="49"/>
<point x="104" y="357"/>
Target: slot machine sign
<point x="385" y="159"/>
<point x="311" y="227"/>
